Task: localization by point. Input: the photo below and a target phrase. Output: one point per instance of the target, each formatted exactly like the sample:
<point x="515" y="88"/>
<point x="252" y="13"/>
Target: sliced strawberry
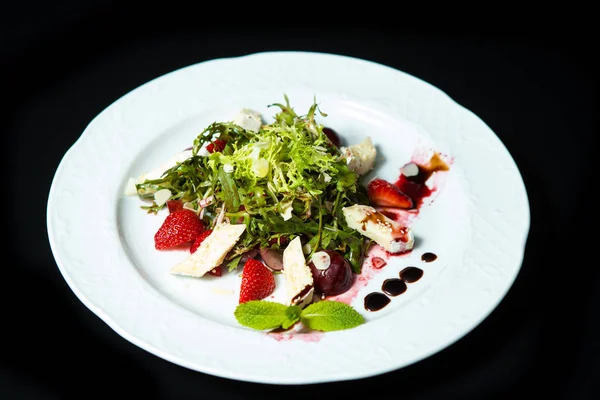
<point x="179" y="227"/>
<point x="383" y="193"/>
<point x="199" y="239"/>
<point x="378" y="262"/>
<point x="174" y="205"/>
<point x="216" y="145"/>
<point x="217" y="270"/>
<point x="257" y="281"/>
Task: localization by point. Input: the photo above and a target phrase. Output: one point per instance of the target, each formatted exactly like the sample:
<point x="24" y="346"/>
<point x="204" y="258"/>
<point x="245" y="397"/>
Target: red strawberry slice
<point x="217" y="270"/>
<point x="378" y="262"/>
<point x="216" y="145"/>
<point x="179" y="227"/>
<point x="383" y="193"/>
<point x="257" y="281"/>
<point x="199" y="239"/>
<point x="174" y="205"/>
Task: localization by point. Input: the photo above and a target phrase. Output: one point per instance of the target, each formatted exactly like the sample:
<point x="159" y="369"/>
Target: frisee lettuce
<point x="287" y="179"/>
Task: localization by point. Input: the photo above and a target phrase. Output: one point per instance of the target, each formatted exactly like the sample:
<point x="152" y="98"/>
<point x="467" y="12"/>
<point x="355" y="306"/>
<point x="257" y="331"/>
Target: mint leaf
<point x="261" y="314"/>
<point x="330" y="316"/>
<point x="293" y="316"/>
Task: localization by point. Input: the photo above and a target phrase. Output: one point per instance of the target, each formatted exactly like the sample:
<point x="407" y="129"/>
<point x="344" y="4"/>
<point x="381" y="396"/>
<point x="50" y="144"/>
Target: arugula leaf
<point x="229" y="193"/>
<point x="233" y="263"/>
<point x="260" y="177"/>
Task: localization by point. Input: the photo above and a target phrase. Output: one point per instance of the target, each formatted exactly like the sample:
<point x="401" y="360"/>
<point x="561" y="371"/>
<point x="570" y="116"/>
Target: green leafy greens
<point x="287" y="179"/>
<point x="325" y="315"/>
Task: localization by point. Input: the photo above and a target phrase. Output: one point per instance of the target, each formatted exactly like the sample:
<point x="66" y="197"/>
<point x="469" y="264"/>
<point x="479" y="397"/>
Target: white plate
<point x="103" y="242"/>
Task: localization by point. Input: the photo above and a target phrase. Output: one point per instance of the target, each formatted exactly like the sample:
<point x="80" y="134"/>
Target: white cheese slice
<point x="386" y="232"/>
<point x="360" y="157"/>
<point x="211" y="252"/>
<point x="248" y="119"/>
<point x="162" y="196"/>
<point x="321" y="260"/>
<point x="286" y="211"/>
<point x="298" y="277"/>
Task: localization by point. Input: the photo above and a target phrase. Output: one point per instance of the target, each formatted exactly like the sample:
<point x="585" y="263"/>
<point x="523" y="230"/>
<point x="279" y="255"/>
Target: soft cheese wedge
<point x="298" y="277"/>
<point x="360" y="157"/>
<point x="386" y="232"/>
<point x="248" y="119"/>
<point x="211" y="252"/>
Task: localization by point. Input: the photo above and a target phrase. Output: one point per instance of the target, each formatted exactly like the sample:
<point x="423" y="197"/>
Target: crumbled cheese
<point x="130" y="189"/>
<point x="360" y="157"/>
<point x="162" y="196"/>
<point x="248" y="119"/>
<point x="410" y="169"/>
<point x="286" y="211"/>
<point x="321" y="260"/>
<point x="306" y="249"/>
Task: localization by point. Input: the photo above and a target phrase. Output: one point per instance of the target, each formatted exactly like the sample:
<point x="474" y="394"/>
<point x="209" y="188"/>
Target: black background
<point x="532" y="80"/>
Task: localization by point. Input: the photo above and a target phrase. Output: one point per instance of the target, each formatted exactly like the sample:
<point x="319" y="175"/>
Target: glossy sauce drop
<point x="393" y="287"/>
<point x="411" y="274"/>
<point x="428" y="257"/>
<point x="376" y="301"/>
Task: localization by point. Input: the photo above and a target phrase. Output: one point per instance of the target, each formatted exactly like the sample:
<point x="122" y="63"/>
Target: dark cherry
<point x="334" y="280"/>
<point x="333" y="136"/>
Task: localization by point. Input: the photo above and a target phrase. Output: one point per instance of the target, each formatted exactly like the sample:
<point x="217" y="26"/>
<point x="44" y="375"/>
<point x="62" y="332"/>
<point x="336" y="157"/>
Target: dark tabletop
<point x="63" y="63"/>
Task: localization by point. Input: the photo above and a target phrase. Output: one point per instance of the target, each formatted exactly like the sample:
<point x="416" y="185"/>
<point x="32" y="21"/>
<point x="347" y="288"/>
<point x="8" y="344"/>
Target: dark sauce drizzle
<point x="393" y="287"/>
<point x="428" y="257"/>
<point x="375" y="301"/>
<point x="411" y="274"/>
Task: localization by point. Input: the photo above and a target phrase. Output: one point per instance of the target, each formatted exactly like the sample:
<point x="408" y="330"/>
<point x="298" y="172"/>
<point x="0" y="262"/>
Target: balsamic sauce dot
<point x="411" y="274"/>
<point x="393" y="287"/>
<point x="376" y="301"/>
<point x="428" y="257"/>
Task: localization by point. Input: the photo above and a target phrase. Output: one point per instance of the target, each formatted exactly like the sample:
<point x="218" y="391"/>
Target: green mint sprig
<point x="261" y="315"/>
<point x="324" y="315"/>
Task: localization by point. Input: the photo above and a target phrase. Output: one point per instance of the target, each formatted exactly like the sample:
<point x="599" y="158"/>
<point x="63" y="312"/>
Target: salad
<point x="281" y="197"/>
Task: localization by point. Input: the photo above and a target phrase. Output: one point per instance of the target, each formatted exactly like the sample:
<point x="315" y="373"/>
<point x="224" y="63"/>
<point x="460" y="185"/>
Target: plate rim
<point x="134" y="339"/>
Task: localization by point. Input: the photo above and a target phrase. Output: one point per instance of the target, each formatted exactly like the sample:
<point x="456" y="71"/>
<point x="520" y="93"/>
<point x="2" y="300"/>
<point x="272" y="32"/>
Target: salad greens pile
<point x="286" y="180"/>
